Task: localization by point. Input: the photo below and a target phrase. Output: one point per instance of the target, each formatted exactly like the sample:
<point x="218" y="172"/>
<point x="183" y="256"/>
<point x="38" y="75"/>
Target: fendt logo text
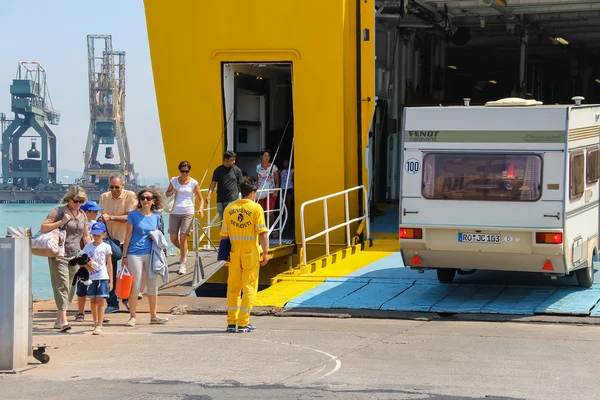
<point x="423" y="136"/>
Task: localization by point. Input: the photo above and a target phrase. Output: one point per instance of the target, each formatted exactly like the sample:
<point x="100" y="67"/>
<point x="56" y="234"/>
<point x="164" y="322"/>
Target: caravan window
<point x="593" y="166"/>
<point x="576" y="176"/>
<point x="490" y="177"/>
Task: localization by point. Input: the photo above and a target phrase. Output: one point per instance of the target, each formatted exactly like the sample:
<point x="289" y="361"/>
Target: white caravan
<point x="510" y="186"/>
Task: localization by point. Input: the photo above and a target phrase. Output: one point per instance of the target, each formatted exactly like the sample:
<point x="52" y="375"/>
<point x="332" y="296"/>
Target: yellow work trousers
<point x="244" y="265"/>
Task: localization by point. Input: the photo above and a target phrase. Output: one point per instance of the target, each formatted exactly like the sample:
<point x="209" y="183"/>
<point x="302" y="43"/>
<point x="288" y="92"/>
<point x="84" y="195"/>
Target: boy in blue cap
<point x="102" y="279"/>
<point x="91" y="209"/>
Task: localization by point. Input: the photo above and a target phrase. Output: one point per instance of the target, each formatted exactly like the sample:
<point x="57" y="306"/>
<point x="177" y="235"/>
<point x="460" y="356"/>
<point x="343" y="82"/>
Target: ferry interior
<point x="258" y="115"/>
<point x="426" y="53"/>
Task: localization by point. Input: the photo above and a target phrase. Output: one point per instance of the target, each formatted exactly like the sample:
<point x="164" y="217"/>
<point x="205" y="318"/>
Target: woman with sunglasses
<point x="137" y="249"/>
<point x="75" y="223"/>
<point x="181" y="218"/>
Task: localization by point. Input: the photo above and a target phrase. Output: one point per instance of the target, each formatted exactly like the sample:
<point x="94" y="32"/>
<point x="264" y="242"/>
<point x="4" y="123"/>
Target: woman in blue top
<point x="137" y="248"/>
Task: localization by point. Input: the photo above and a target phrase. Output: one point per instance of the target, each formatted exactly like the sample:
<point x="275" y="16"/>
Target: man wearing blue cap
<point x="91" y="209"/>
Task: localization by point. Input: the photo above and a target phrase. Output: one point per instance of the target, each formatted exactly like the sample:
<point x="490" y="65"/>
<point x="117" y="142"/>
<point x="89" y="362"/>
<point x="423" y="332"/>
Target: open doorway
<point x="258" y="114"/>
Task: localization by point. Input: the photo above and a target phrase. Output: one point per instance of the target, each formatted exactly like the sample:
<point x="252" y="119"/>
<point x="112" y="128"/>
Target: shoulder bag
<point x="50" y="244"/>
<point x="115" y="246"/>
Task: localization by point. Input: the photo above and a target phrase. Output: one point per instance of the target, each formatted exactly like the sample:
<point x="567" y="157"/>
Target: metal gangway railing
<point x="347" y="221"/>
<point x="201" y="232"/>
<point x="212" y="216"/>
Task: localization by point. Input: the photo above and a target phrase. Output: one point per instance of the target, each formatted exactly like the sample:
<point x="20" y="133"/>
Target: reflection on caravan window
<point x="492" y="177"/>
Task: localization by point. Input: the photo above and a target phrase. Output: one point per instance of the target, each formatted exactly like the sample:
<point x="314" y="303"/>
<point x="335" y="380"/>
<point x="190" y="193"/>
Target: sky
<point x="54" y="33"/>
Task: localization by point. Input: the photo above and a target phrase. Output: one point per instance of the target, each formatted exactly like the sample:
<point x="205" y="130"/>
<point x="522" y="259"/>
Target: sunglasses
<point x="78" y="201"/>
<point x="184" y="171"/>
<point x="147" y="198"/>
<point x="114" y="187"/>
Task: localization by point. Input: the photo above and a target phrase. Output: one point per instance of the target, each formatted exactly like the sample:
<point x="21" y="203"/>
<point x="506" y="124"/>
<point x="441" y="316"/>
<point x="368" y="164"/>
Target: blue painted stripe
<point x="520" y="300"/>
<point x="373" y="295"/>
<point x="467" y="299"/>
<point x="324" y="295"/>
<point x="419" y="297"/>
<point x="570" y="300"/>
<point x="387" y="267"/>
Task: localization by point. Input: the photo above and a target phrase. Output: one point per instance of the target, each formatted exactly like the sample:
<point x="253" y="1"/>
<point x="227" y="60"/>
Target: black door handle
<point x="404" y="212"/>
<point x="557" y="216"/>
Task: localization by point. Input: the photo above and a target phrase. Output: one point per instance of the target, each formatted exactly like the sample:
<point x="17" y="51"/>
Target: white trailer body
<point x="501" y="188"/>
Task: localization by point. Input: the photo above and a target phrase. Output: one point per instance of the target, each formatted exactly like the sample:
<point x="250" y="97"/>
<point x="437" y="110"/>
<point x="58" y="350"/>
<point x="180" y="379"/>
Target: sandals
<point x="79" y="317"/>
<point x="97" y="331"/>
<point x="65" y="327"/>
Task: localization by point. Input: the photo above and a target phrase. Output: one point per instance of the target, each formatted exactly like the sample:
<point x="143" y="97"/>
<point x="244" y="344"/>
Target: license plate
<point x="478" y="238"/>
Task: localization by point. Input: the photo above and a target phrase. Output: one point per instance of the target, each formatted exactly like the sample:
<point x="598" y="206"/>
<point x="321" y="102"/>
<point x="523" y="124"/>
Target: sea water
<point x="32" y="216"/>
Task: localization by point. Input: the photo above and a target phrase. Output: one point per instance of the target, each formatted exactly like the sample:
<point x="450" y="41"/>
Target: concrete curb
<point x="378" y="314"/>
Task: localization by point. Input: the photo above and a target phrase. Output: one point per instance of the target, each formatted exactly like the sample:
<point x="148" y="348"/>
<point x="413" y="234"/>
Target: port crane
<point x="106" y="76"/>
<point x="32" y="106"/>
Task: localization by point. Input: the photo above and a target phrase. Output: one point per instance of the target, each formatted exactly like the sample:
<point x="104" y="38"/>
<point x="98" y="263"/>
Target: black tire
<point x="446" y="275"/>
<point x="585" y="276"/>
<point x="41" y="356"/>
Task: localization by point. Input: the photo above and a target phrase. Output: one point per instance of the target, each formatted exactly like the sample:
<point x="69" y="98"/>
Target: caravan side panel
<point x="582" y="186"/>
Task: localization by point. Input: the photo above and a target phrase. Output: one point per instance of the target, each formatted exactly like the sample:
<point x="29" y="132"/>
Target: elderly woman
<point x="137" y="249"/>
<point x="74" y="221"/>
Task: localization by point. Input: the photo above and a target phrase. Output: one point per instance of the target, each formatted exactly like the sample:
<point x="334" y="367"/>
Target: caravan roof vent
<point x="511" y="102"/>
<point x="578" y="100"/>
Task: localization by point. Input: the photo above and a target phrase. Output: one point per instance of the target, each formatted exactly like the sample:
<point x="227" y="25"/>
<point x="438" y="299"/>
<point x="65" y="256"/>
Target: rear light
<point x="548" y="238"/>
<point x="411" y="233"/>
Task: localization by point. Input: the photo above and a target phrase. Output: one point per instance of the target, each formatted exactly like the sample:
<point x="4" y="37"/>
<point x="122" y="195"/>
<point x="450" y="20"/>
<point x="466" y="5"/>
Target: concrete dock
<point x="191" y="357"/>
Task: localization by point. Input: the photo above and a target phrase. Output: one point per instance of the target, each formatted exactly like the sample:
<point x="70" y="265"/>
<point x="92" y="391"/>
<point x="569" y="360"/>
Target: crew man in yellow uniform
<point x="244" y="223"/>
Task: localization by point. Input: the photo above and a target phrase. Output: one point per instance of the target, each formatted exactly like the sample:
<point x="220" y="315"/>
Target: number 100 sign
<point x="412" y="166"/>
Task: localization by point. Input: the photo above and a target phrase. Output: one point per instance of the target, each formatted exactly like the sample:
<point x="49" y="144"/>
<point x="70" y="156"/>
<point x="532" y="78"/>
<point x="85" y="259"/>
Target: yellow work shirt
<point x="243" y="221"/>
<point x="119" y="206"/>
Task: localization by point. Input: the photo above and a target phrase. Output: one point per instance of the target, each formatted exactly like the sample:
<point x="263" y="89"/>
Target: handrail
<point x="347" y="222"/>
<point x="278" y="223"/>
<point x="215" y="222"/>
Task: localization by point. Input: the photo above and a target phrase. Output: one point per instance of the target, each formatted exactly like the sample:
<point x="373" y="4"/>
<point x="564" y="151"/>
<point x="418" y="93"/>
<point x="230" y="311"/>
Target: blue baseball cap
<point x="98" y="228"/>
<point x="90" y="206"/>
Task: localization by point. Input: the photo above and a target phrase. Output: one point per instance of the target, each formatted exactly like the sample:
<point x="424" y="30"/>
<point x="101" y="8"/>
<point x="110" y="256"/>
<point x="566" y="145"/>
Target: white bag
<point x="49" y="244"/>
<point x="169" y="203"/>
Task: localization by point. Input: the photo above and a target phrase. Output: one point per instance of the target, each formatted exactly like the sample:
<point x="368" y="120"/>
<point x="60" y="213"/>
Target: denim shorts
<point x="81" y="289"/>
<point x="98" y="289"/>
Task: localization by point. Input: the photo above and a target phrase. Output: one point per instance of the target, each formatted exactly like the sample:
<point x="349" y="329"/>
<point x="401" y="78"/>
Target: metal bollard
<point x="15" y="302"/>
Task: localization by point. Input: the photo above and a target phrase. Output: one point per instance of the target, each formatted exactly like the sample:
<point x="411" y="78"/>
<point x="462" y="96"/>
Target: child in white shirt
<point x="102" y="279"/>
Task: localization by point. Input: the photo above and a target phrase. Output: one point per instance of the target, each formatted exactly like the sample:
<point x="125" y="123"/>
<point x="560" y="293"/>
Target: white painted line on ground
<point x="338" y="362"/>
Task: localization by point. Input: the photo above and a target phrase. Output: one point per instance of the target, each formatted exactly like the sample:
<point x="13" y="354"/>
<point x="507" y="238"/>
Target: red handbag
<point x="124" y="284"/>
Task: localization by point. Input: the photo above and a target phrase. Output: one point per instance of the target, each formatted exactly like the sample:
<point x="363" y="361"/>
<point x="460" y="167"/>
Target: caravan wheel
<point x="585" y="276"/>
<point x="446" y="275"/>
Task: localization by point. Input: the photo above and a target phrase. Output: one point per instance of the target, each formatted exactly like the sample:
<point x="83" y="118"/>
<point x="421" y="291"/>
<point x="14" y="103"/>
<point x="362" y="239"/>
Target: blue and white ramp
<point x="387" y="285"/>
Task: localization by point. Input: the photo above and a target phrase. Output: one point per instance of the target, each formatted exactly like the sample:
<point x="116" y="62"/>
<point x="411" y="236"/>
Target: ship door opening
<point x="258" y="113"/>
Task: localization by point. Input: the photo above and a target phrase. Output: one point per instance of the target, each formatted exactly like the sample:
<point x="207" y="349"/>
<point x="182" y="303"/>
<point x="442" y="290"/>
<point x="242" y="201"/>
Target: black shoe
<point x="231" y="328"/>
<point x="126" y="304"/>
<point x="246" y="329"/>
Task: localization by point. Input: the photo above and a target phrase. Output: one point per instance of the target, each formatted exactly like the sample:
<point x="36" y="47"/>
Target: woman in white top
<point x="181" y="217"/>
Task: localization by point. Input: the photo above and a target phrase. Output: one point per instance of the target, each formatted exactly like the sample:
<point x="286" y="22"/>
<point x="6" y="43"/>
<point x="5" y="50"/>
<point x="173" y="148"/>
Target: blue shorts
<point x="81" y="289"/>
<point x="98" y="289"/>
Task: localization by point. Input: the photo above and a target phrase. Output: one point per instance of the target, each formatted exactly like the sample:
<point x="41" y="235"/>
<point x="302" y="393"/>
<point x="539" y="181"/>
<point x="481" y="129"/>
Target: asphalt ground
<point x="192" y="357"/>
